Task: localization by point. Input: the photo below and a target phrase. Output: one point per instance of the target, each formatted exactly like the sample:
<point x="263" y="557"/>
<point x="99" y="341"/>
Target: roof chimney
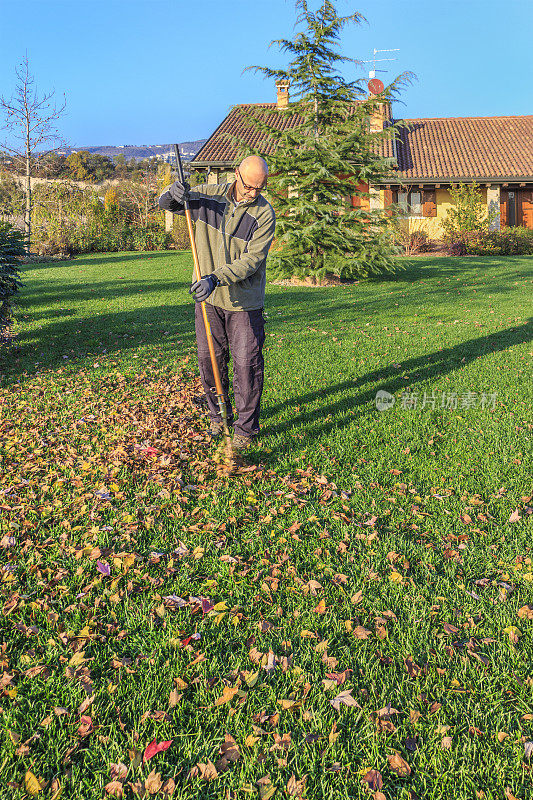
<point x="283" y="93"/>
<point x="380" y="116"/>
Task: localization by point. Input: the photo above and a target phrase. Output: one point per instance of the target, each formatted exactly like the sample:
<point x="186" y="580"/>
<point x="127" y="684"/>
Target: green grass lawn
<point x="352" y="617"/>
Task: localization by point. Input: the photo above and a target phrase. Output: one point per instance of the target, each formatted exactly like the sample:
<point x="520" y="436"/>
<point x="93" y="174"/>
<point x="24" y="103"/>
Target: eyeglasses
<point x="250" y="188"/>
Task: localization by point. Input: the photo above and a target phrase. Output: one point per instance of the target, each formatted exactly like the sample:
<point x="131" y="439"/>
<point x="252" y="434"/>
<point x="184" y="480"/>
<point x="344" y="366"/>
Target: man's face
<point x="248" y="186"/>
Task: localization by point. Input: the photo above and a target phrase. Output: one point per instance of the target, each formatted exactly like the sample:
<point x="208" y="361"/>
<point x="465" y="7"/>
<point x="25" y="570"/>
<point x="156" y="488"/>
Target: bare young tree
<point x="30" y="122"/>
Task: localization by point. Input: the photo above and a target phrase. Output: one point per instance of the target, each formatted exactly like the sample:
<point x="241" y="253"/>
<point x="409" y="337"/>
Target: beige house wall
<point x="432" y="225"/>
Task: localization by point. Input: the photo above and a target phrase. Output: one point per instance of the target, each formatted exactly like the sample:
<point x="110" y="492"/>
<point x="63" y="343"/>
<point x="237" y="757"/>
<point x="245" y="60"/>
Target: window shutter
<point x="429" y="207"/>
<point x="387" y="202"/>
<point x="504" y="218"/>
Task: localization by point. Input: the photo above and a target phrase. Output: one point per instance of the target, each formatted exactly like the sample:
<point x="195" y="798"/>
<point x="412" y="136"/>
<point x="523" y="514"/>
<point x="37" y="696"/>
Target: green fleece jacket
<point x="232" y="240"/>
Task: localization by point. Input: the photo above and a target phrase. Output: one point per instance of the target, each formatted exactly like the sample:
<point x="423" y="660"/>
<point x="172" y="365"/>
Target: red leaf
<point x="154" y="748"/>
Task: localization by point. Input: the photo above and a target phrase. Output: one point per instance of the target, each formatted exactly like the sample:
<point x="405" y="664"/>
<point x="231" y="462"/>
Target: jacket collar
<point x="230" y="196"/>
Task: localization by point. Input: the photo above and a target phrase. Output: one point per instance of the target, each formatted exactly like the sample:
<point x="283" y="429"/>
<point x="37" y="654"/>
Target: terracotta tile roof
<point x="219" y="148"/>
<point x="466" y="147"/>
<point x="445" y="148"/>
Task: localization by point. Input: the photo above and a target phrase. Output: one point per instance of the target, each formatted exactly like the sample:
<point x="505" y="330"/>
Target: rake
<point x="228" y="455"/>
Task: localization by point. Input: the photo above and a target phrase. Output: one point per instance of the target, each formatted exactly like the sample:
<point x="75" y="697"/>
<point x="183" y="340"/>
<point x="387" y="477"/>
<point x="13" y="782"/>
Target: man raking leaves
<point x="234" y="228"/>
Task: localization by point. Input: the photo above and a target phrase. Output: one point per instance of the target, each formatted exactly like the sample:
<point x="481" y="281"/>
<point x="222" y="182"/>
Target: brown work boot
<point x="241" y="443"/>
<point x="216" y="429"/>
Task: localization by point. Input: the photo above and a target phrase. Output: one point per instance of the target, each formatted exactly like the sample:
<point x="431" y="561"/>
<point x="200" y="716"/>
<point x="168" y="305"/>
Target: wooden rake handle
<point x="216" y="371"/>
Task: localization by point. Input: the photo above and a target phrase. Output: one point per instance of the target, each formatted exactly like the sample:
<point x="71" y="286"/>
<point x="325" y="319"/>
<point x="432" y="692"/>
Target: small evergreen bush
<point x="12" y="252"/>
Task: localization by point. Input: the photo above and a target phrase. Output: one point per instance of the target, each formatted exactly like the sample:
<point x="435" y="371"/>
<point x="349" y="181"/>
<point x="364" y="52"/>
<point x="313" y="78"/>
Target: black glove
<point x="202" y="289"/>
<point x="180" y="192"/>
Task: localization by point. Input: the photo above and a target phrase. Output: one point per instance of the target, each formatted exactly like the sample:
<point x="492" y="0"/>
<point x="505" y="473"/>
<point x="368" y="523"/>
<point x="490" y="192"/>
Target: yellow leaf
<point x="198" y="552"/>
<point x="512" y="632"/>
<point x="251" y="740"/>
<point x="395" y="577"/>
<point x="31" y="784"/>
<point x="321" y="607"/>
<point x="219" y="618"/>
<point x="221" y="606"/>
<point x="114" y="487"/>
<point x="77" y="659"/>
<point x="11" y="693"/>
<point x="528" y="576"/>
<point x="228" y="694"/>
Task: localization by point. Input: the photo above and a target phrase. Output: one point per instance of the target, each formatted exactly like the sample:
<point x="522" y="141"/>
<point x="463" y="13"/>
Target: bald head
<point x="251" y="176"/>
<point x="254" y="170"/>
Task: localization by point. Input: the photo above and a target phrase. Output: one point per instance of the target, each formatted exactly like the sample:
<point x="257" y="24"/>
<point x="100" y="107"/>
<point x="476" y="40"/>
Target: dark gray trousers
<point x="243" y="334"/>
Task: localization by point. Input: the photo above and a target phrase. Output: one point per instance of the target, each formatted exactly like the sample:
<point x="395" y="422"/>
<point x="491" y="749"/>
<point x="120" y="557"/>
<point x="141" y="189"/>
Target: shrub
<point x="468" y="214"/>
<point x="505" y="242"/>
<point x="412" y="236"/>
<point x="11" y="253"/>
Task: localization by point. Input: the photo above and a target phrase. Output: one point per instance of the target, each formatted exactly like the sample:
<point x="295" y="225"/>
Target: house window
<point x="410" y="203"/>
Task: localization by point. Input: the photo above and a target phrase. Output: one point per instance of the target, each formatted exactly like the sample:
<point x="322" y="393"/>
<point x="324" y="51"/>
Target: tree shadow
<point x="89" y="291"/>
<point x="103" y="258"/>
<point x="105" y="334"/>
<point x="390" y="379"/>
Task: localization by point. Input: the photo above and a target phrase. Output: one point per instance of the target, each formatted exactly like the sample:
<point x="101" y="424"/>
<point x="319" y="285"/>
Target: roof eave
<point x="461" y="178"/>
<point x="212" y="164"/>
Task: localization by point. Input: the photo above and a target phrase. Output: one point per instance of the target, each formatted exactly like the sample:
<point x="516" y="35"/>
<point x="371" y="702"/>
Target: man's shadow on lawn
<point x="391" y="379"/>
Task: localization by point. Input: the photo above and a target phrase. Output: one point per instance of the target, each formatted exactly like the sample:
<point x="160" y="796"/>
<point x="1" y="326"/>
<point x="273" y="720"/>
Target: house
<point x="429" y="155"/>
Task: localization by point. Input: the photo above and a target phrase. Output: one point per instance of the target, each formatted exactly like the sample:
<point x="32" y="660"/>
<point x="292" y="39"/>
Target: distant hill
<point x="164" y="152"/>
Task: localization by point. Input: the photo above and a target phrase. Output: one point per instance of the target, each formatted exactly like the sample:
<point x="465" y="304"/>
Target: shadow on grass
<point x="92" y="259"/>
<point x="103" y="334"/>
<point x="107" y="290"/>
<point x="390" y="379"/>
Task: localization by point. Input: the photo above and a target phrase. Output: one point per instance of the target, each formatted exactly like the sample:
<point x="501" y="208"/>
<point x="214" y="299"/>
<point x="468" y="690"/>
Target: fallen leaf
<point x="266" y="788"/>
<point x="206" y="772"/>
<point x="31" y="784"/>
<point x="399" y="765"/>
<point x="155" y="747"/>
<point x="118" y="771"/>
<point x="228" y="693"/>
<point x="114" y="788"/>
<point x="169" y="787"/>
<point x="344" y="698"/>
<point x="374" y="780"/>
<point x="515" y="516"/>
<point x="86" y="726"/>
<point x="295" y="788"/>
<point x="153" y="782"/>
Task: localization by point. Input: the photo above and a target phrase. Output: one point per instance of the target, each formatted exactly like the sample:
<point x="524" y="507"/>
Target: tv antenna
<point x="374" y="60"/>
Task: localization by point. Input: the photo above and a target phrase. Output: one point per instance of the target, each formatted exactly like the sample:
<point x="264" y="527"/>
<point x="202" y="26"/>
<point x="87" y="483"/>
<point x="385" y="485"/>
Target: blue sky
<point x="154" y="71"/>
